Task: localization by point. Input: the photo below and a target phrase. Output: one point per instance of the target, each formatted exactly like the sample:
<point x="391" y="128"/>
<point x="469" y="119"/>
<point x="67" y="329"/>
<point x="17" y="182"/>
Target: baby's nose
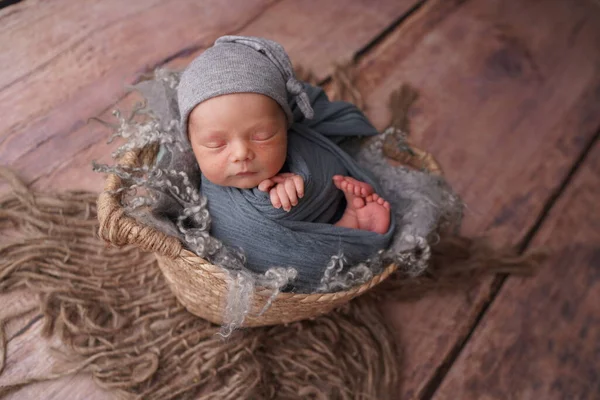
<point x="240" y="152"/>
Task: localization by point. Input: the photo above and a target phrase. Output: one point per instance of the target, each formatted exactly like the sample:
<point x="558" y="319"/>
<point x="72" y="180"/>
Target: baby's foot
<point x="365" y="210"/>
<point x="351" y="186"/>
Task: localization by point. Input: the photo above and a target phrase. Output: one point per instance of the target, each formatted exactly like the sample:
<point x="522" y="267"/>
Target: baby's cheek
<point x="274" y="159"/>
<point x="212" y="168"/>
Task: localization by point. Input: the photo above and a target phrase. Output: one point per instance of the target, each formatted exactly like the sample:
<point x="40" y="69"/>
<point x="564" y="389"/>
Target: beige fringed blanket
<point x="114" y="310"/>
<point x="122" y="324"/>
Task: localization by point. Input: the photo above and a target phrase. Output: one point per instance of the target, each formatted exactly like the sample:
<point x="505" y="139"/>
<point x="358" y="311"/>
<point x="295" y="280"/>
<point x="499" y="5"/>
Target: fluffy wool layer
<point x="168" y="199"/>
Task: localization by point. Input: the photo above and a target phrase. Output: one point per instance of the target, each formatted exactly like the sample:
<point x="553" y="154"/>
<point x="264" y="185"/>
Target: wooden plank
<point x="507" y="106"/>
<point x="18" y="308"/>
<point x="457" y="98"/>
<point x="482" y="103"/>
<point x="37" y="359"/>
<point x="27" y="359"/>
<point x="357" y="23"/>
<point x="322" y="33"/>
<point x="57" y="90"/>
<point x="37" y="38"/>
<point x="72" y="388"/>
<point x="77" y="147"/>
<point x="494" y="87"/>
<point x="541" y="337"/>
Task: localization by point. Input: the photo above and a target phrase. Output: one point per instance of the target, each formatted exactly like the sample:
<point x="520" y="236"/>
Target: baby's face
<point x="239" y="139"/>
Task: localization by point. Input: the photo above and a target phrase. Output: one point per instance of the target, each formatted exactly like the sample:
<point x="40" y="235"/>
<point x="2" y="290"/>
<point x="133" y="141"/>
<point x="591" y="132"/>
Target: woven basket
<point x="202" y="287"/>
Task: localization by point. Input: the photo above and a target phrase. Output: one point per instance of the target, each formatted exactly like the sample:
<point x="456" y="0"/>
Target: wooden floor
<point x="510" y="105"/>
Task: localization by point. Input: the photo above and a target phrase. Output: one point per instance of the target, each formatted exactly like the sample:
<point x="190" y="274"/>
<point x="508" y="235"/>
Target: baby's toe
<point x="338" y="179"/>
<point x="358" y="202"/>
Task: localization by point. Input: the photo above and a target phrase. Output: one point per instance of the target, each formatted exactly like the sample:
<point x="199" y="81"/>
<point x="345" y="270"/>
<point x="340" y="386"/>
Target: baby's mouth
<point x="245" y="173"/>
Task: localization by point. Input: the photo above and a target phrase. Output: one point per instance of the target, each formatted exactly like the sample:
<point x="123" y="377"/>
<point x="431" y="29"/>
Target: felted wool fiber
<point x="421" y="201"/>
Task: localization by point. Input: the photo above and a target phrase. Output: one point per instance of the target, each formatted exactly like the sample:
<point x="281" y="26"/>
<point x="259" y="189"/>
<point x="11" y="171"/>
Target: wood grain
<point x="541" y="337"/>
<point x="323" y="33"/>
<point x="69" y="388"/>
<point x="58" y="151"/>
<point x="33" y="152"/>
<point x="67" y="61"/>
<point x="506" y="106"/>
<point x="42" y="31"/>
<point x="35" y="360"/>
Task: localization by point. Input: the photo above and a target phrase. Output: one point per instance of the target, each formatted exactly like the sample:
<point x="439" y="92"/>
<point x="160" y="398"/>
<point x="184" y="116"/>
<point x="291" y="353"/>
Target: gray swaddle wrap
<point x="303" y="238"/>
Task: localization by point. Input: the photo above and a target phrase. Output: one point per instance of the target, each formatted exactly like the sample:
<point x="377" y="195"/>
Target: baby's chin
<point x="250" y="184"/>
<point x="240" y="181"/>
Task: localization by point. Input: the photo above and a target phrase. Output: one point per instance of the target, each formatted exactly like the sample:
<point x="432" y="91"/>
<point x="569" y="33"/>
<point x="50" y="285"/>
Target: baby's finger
<point x="280" y="178"/>
<point x="274" y="196"/>
<point x="290" y="189"/>
<point x="265" y="185"/>
<point x="299" y="183"/>
<point x="283" y="197"/>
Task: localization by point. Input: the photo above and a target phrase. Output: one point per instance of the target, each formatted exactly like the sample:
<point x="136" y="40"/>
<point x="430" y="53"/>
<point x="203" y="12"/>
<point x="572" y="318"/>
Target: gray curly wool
<point x="172" y="203"/>
<point x="422" y="201"/>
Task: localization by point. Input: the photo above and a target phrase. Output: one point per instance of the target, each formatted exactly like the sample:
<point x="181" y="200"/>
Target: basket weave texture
<point x="202" y="287"/>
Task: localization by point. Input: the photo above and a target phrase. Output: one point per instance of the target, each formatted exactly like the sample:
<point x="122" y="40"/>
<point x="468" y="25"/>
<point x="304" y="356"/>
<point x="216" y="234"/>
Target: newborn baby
<point x="269" y="149"/>
<point x="240" y="140"/>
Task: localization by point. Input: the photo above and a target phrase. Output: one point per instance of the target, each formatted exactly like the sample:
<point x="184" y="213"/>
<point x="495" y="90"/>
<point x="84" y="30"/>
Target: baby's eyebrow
<point x="212" y="135"/>
<point x="262" y="124"/>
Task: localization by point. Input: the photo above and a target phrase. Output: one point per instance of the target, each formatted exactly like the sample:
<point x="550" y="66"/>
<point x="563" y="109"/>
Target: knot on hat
<point x="295" y="88"/>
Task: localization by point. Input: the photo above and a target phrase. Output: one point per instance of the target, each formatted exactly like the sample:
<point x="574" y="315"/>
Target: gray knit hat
<point x="241" y="64"/>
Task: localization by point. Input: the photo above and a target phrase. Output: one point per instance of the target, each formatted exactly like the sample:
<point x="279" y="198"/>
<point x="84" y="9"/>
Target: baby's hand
<point x="284" y="189"/>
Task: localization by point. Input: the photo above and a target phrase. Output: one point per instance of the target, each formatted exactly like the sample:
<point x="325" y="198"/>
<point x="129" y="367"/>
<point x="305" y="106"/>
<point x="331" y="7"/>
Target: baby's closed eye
<point x="214" y="144"/>
<point x="264" y="135"/>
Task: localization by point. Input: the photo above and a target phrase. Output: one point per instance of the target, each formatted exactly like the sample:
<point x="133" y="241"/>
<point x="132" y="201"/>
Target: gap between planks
<point x="6" y="3"/>
<point x="499" y="281"/>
